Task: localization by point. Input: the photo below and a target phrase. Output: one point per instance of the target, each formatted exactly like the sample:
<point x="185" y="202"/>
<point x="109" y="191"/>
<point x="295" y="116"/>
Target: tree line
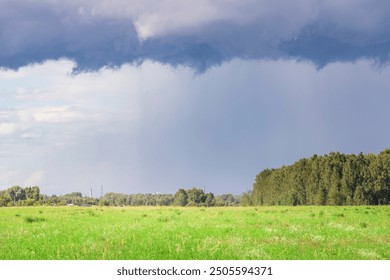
<point x="31" y="196"/>
<point x="332" y="179"/>
<point x="188" y="197"/>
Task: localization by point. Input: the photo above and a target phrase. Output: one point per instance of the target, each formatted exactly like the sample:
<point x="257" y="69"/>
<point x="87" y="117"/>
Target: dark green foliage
<point x="193" y="197"/>
<point x="18" y="196"/>
<point x="333" y="179"/>
<point x="30" y="196"/>
<point x="180" y="198"/>
<point x="30" y="220"/>
<point x="246" y="199"/>
<point x="210" y="200"/>
<point x="32" y="193"/>
<point x="192" y="204"/>
<point x="4" y="200"/>
<point x="227" y="200"/>
<point x="149" y="199"/>
<point x="196" y="196"/>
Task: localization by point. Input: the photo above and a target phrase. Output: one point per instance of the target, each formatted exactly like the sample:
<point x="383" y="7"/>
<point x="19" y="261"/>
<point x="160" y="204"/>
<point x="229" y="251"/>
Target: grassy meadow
<point x="106" y="233"/>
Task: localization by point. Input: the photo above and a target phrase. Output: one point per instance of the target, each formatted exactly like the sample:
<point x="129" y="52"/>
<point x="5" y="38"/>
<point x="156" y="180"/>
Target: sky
<point x="152" y="96"/>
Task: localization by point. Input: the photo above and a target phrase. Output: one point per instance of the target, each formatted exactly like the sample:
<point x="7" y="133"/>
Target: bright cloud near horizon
<point x="153" y="96"/>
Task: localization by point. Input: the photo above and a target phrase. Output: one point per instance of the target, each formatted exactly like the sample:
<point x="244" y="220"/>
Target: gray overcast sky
<point x="152" y="96"/>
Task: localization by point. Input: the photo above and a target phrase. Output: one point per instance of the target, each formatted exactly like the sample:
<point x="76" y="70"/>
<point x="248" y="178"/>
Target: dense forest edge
<point x="332" y="179"/>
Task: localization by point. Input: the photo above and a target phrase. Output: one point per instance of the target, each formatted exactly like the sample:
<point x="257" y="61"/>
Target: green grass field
<point x="301" y="233"/>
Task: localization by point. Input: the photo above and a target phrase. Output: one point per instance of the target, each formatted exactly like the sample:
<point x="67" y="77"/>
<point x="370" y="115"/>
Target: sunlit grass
<point x="195" y="233"/>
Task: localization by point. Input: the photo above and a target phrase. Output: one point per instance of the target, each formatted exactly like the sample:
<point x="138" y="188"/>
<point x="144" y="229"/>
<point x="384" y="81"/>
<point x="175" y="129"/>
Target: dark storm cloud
<point x="325" y="44"/>
<point x="32" y="32"/>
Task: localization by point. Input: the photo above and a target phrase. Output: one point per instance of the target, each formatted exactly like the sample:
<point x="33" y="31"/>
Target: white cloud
<point x="54" y="108"/>
<point x="58" y="115"/>
<point x="29" y="136"/>
<point x="9" y="74"/>
<point x="7" y="128"/>
<point x="8" y="177"/>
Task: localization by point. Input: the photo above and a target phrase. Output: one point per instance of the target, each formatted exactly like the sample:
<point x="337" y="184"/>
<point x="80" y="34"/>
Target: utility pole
<point x="101" y="192"/>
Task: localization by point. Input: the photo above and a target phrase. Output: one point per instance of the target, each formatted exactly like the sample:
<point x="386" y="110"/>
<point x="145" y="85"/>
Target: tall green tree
<point x="180" y="198"/>
<point x="196" y="195"/>
<point x="246" y="199"/>
<point x="210" y="200"/>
